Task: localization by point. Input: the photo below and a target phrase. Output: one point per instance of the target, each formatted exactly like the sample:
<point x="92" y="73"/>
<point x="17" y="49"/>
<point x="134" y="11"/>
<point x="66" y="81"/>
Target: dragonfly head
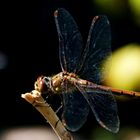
<point x="42" y="84"/>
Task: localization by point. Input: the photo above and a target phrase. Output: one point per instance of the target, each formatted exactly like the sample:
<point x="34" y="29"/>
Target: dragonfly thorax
<point x="62" y="82"/>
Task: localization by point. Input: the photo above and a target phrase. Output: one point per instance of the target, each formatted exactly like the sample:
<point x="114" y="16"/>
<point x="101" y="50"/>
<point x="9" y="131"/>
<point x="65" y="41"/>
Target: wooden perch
<point x="45" y="109"/>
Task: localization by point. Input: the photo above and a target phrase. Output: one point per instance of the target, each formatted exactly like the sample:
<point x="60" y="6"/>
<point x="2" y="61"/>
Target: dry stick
<point x="44" y="108"/>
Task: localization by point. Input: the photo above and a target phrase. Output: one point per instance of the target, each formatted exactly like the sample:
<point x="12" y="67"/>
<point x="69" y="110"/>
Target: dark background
<point x="29" y="40"/>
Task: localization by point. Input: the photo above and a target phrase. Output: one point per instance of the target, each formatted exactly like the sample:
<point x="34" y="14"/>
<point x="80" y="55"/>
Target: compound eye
<point x="42" y="84"/>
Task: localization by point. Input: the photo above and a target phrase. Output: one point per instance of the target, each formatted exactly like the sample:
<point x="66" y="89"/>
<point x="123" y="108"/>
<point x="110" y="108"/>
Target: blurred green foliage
<point x="120" y="8"/>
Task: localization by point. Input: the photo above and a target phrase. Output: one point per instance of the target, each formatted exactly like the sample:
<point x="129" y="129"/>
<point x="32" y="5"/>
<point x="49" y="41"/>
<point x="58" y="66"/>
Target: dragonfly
<point x="80" y="80"/>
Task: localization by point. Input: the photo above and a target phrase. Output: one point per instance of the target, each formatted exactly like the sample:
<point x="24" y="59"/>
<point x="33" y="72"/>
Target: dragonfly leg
<point x="59" y="108"/>
<point x="47" y="97"/>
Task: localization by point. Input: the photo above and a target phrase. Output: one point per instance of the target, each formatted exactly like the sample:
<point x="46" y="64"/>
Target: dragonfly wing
<point x="103" y="106"/>
<point x="70" y="40"/>
<point x="75" y="110"/>
<point x="98" y="48"/>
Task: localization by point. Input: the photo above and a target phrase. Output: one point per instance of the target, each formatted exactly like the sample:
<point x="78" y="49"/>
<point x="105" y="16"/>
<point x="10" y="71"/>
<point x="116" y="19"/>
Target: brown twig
<point x="45" y="109"/>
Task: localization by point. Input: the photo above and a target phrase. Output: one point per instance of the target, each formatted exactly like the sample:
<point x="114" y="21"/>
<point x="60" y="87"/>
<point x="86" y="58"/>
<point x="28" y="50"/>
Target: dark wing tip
<point x="95" y="18"/>
<point x="103" y="17"/>
<point x="56" y="12"/>
<point x="113" y="130"/>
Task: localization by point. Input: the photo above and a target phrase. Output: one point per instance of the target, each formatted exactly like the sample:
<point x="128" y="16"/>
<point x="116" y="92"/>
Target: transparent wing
<point x="70" y="40"/>
<point x="75" y="111"/>
<point x="98" y="48"/>
<point x="103" y="106"/>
